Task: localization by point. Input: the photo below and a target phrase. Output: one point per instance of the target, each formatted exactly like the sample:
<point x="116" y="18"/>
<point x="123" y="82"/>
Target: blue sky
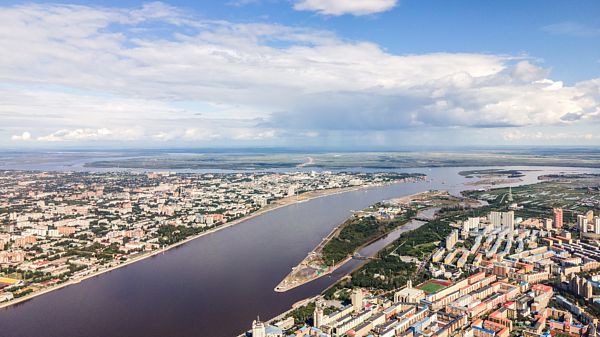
<point x="299" y="73"/>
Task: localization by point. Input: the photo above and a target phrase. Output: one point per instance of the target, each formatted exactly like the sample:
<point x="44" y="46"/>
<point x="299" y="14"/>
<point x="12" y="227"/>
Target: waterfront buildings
<point x="506" y="276"/>
<point x="62" y="226"/>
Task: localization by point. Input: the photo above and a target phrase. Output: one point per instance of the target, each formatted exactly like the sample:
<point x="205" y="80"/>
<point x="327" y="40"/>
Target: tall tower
<point x="258" y="328"/>
<point x="582" y="223"/>
<point x="590" y="216"/>
<point x="357" y="299"/>
<point x="510" y="196"/>
<point x="508" y="219"/>
<point x="558" y="218"/>
<point x="588" y="290"/>
<point x="318" y="319"/>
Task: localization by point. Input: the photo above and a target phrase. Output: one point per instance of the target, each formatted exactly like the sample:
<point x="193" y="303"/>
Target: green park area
<point x="357" y="232"/>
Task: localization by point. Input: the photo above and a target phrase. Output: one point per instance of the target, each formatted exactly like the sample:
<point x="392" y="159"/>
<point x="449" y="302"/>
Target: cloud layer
<point x="341" y="7"/>
<point x="86" y="74"/>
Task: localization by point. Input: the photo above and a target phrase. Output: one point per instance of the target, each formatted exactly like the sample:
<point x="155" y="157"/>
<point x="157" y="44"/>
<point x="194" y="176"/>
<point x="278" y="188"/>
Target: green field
<point x="431" y="287"/>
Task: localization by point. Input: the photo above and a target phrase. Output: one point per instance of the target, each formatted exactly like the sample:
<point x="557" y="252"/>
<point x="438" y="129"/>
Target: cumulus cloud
<point x="93" y="134"/>
<point x="70" y="73"/>
<point x="520" y="135"/>
<point x="24" y="136"/>
<point x="341" y="7"/>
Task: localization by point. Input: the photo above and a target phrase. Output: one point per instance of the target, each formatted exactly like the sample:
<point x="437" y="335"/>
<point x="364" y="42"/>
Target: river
<point x="215" y="285"/>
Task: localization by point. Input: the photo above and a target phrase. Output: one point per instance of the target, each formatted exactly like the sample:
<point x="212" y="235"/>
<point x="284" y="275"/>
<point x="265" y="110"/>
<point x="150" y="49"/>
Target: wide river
<point x="215" y="285"/>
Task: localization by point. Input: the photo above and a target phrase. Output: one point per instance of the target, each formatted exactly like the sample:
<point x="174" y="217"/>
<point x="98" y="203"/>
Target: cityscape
<point x="299" y="168"/>
<point x="492" y="275"/>
<point x="59" y="228"/>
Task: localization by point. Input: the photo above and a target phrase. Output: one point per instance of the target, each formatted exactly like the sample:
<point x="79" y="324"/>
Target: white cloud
<point x="79" y="69"/>
<point x="189" y="134"/>
<point x="341" y="7"/>
<point x="24" y="136"/>
<point x="520" y="135"/>
<point x="78" y="135"/>
<point x="253" y="134"/>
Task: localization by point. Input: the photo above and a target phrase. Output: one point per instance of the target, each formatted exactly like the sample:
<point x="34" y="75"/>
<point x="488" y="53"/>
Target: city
<point x="58" y="228"/>
<point x="492" y="275"/>
<point x="299" y="168"/>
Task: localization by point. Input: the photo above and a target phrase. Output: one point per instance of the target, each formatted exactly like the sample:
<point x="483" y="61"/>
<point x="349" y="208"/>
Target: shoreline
<point x="277" y="204"/>
<point x="281" y="288"/>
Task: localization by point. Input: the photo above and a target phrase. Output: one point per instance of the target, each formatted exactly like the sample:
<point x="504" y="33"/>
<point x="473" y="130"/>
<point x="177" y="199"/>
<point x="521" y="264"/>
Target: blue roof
<point x="270" y="329"/>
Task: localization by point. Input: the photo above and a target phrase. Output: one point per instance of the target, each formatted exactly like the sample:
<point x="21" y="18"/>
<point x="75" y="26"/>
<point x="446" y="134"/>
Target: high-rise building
<point x="258" y="328"/>
<point x="558" y="218"/>
<point x="587" y="290"/>
<point x="596" y="223"/>
<point x="582" y="223"/>
<point x="508" y="219"/>
<point x="580" y="286"/>
<point x="451" y="239"/>
<point x="470" y="223"/>
<point x="590" y="216"/>
<point x="318" y="314"/>
<point x="495" y="218"/>
<point x="548" y="224"/>
<point x="499" y="219"/>
<point x="357" y="299"/>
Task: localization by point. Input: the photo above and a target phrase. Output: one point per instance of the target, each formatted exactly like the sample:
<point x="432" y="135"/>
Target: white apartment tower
<point x="451" y="239"/>
<point x="357" y="299"/>
<point x="499" y="219"/>
<point x="258" y="328"/>
<point x="582" y="223"/>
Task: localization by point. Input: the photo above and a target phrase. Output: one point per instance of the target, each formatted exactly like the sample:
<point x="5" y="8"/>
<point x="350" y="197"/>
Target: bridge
<point x="357" y="256"/>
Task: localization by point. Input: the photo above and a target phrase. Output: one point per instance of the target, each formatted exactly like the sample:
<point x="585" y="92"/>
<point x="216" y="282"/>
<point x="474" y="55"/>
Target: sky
<point x="344" y="74"/>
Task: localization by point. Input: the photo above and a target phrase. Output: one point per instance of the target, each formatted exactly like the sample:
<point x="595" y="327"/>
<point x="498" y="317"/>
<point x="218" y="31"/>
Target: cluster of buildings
<point x="480" y="305"/>
<point x="589" y="225"/>
<point x="57" y="226"/>
<point x="493" y="276"/>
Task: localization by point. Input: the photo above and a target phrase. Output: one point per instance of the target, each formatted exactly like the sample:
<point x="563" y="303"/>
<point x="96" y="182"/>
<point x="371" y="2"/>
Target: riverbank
<point x="311" y="267"/>
<point x="277" y="204"/>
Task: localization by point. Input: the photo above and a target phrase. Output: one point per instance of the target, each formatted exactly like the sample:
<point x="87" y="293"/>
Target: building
<point x="451" y="239"/>
<point x="582" y="223"/>
<point x="580" y="286"/>
<point x="409" y="294"/>
<point x="357" y="298"/>
<point x="502" y="219"/>
<point x="590" y="216"/>
<point x="260" y="329"/>
<point x="558" y="217"/>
